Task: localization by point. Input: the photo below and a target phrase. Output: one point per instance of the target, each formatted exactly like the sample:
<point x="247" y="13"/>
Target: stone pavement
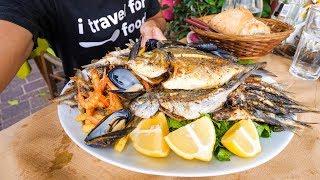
<point x="23" y="97"/>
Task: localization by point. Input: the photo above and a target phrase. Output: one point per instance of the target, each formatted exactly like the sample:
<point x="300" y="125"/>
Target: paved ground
<point x="23" y="97"/>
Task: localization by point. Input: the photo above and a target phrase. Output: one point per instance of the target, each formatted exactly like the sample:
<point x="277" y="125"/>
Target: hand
<point x="150" y="30"/>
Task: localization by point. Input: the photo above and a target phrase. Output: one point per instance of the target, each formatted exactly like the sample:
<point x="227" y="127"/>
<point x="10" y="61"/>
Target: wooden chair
<point x="45" y="64"/>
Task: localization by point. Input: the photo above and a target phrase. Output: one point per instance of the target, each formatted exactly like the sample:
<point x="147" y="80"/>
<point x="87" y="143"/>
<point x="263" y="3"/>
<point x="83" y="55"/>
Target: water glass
<point x="306" y="61"/>
<point x="254" y="6"/>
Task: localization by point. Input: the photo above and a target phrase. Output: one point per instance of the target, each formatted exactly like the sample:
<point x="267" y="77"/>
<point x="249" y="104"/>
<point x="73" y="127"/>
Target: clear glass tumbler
<point x="306" y="61"/>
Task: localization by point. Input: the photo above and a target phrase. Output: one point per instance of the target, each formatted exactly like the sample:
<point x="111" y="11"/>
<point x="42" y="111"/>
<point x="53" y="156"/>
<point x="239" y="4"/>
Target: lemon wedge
<point x="194" y="141"/>
<point x="242" y="139"/>
<point x="148" y="137"/>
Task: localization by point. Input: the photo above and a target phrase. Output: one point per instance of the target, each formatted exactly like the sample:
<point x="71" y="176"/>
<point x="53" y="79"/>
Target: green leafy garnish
<point x="264" y="130"/>
<point x="246" y="61"/>
<point x="275" y="128"/>
<point x="222" y="154"/>
<point x="222" y="127"/>
<point x="175" y="124"/>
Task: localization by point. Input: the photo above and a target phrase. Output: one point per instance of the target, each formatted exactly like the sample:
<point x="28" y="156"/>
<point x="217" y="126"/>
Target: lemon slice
<point x="194" y="141"/>
<point x="242" y="139"/>
<point x="148" y="137"/>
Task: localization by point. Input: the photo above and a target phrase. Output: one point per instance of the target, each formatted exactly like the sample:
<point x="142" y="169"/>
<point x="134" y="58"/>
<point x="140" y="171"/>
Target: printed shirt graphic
<point x="81" y="30"/>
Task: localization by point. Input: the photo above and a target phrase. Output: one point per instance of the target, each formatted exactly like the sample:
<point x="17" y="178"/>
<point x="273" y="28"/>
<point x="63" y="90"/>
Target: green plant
<point x="266" y="9"/>
<point x="191" y="8"/>
<point x="42" y="46"/>
<point x="178" y="28"/>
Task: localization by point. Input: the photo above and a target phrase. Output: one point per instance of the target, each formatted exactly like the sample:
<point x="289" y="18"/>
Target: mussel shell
<point x="102" y="135"/>
<point x="152" y="44"/>
<point x="225" y="55"/>
<point x="123" y="79"/>
<point x="212" y="48"/>
<point x="108" y="139"/>
<point x="204" y="46"/>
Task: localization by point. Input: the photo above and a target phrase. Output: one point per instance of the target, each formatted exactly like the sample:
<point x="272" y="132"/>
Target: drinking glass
<point x="306" y="61"/>
<point x="255" y="6"/>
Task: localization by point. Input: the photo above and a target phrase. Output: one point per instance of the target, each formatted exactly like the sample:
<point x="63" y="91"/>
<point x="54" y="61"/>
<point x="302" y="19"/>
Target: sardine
<point x="237" y="114"/>
<point x="67" y="95"/>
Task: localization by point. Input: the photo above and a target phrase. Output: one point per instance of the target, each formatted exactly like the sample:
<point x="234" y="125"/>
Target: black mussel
<point x="128" y="85"/>
<point x="204" y="46"/>
<point x="212" y="48"/>
<point x="123" y="79"/>
<point x="225" y="54"/>
<point x="111" y="128"/>
<point x="152" y="44"/>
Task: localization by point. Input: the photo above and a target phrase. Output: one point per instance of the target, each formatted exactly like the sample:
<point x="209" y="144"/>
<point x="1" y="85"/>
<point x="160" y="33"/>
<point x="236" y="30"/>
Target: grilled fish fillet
<point x="190" y="68"/>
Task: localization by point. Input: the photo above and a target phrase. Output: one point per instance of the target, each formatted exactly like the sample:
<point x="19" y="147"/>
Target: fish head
<point x="145" y="106"/>
<point x="152" y="64"/>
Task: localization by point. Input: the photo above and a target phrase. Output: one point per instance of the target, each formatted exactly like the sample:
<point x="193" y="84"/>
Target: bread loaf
<point x="239" y="21"/>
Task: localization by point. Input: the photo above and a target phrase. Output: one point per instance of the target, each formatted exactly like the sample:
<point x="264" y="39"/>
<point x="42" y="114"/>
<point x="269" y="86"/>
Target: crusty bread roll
<point x="239" y="21"/>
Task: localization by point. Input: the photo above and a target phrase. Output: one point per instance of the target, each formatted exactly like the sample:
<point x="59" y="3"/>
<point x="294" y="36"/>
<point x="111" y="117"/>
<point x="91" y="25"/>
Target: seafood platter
<point x="178" y="109"/>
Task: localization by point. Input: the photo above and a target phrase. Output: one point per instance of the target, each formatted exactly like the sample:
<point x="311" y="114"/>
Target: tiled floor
<point x="31" y="95"/>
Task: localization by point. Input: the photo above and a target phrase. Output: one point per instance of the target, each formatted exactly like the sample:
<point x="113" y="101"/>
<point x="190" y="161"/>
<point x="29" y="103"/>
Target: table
<point x="38" y="148"/>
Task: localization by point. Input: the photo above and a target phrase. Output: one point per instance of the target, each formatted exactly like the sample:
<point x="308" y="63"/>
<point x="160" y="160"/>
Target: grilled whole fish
<point x="190" y="68"/>
<point x="184" y="104"/>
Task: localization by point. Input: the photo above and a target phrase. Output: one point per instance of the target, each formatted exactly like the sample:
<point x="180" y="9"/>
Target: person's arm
<point x="15" y="46"/>
<point x="153" y="28"/>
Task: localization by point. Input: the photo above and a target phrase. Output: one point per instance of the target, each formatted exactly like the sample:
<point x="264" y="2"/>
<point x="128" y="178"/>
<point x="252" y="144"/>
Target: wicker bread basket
<point x="248" y="46"/>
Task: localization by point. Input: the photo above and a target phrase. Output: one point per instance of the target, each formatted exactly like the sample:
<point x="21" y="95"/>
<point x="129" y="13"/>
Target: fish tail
<point x="266" y="72"/>
<point x="305" y="124"/>
<point x="135" y="49"/>
<point x="288" y="124"/>
<point x="240" y="78"/>
<point x="299" y="109"/>
<point x="273" y="121"/>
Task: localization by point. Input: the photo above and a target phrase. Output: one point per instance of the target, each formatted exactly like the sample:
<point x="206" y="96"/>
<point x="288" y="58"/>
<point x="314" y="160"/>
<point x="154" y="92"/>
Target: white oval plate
<point x="172" y="165"/>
